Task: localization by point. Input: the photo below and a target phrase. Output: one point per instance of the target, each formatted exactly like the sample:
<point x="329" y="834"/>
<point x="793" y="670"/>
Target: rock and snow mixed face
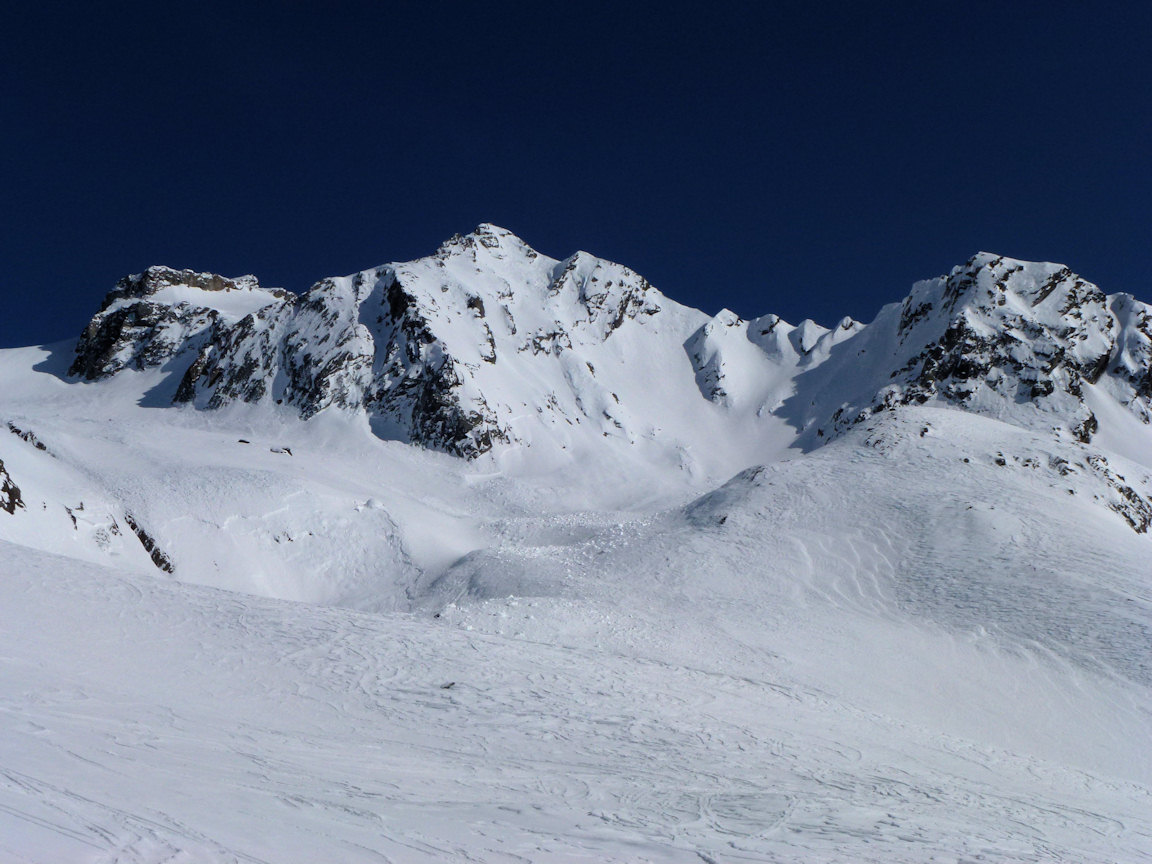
<point x="153" y="316"/>
<point x="484" y="345"/>
<point x="1015" y="340"/>
<point x="454" y="352"/>
<point x="9" y="492"/>
<point x="487" y="344"/>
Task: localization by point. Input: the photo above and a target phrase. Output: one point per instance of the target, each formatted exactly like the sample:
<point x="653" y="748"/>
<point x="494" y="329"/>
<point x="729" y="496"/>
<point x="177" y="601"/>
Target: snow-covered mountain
<point x="586" y="574"/>
<point x="1015" y="340"/>
<point x="488" y="344"/>
<point x="485" y="345"/>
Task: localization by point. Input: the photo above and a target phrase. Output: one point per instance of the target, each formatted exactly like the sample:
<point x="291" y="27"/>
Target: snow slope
<point x="687" y="589"/>
<point x="193" y="724"/>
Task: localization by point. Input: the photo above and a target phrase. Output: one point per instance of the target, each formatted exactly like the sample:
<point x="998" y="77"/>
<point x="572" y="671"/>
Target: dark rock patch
<point x="27" y="435"/>
<point x="10" y="498"/>
<point x="161" y="560"/>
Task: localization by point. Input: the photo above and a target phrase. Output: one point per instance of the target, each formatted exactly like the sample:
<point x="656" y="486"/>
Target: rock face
<point x="159" y="558"/>
<point x="153" y="316"/>
<point x="487" y="343"/>
<point x="10" y="498"/>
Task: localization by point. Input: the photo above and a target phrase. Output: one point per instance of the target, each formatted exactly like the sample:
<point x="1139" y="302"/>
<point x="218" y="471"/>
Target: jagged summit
<point x="1021" y="341"/>
<point x="486" y="240"/>
<point x="488" y="344"/>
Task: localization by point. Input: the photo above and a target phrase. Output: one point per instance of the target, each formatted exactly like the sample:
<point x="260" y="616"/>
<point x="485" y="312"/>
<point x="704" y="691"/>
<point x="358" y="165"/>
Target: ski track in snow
<point x="205" y="726"/>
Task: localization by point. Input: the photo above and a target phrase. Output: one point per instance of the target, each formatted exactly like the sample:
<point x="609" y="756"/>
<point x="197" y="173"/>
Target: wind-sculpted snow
<point x="753" y="363"/>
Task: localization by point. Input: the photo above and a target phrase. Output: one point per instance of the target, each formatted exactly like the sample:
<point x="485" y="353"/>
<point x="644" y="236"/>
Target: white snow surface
<point x="698" y="633"/>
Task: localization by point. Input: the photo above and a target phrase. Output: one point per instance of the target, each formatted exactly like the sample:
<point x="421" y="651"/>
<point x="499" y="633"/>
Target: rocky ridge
<point x="151" y="317"/>
<point x="488" y="344"/>
<point x="1015" y="340"/>
<point x="10" y="497"/>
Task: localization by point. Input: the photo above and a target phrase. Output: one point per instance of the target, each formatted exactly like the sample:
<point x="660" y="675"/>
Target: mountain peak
<point x="493" y="230"/>
<point x="1021" y="341"/>
<point x="486" y="240"/>
<point x="487" y="342"/>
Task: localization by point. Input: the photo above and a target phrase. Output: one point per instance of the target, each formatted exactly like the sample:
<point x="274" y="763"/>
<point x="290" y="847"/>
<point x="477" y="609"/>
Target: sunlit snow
<point x="731" y="625"/>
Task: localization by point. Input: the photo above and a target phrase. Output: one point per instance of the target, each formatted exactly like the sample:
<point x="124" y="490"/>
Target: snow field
<point x="198" y="725"/>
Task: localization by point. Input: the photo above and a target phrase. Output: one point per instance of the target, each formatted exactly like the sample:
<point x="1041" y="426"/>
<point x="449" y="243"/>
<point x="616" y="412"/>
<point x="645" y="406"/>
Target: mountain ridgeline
<point x="488" y="345"/>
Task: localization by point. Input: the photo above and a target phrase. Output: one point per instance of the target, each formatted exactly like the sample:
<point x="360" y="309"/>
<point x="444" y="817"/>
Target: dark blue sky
<point x="809" y="159"/>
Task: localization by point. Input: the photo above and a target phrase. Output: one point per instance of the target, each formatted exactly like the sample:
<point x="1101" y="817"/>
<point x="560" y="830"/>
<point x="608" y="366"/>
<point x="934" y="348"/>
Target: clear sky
<point x="809" y="159"/>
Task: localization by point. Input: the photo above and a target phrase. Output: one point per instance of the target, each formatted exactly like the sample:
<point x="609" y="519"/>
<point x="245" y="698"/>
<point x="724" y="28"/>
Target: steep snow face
<point x="152" y="316"/>
<point x="1015" y="340"/>
<point x="488" y="341"/>
<point x="485" y="342"/>
<point x="1128" y="376"/>
<point x="750" y="362"/>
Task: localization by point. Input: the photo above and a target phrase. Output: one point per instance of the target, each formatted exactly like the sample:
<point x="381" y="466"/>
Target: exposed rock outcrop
<point x="152" y="316"/>
<point x="10" y="499"/>
<point x="1012" y="339"/>
<point x="161" y="560"/>
<point x="27" y="435"/>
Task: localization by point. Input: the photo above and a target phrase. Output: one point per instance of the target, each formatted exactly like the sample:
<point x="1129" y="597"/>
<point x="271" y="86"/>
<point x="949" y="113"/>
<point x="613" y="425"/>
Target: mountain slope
<point x="193" y="724"/>
<point x="1015" y="340"/>
<point x="585" y="573"/>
